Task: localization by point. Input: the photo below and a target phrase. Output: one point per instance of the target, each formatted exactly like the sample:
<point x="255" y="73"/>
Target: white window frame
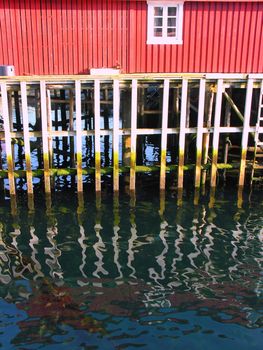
<point x="178" y="39"/>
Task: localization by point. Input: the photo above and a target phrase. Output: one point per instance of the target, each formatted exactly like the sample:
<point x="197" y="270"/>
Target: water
<point x="126" y="275"/>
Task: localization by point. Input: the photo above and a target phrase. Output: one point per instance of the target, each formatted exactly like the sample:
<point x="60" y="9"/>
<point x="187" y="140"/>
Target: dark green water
<point x="129" y="275"/>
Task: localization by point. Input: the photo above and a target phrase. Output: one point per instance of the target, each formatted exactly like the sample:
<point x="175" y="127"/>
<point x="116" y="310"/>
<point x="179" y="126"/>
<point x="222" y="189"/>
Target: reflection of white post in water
<point x="131" y="241"/>
<point x="16" y="233"/>
<point x="179" y="256"/>
<point x="99" y="246"/>
<point x="160" y="259"/>
<point x="83" y="246"/>
<point x="5" y="277"/>
<point x="194" y="240"/>
<point x="237" y="236"/>
<point x="34" y="241"/>
<point x="54" y="252"/>
<point x="116" y="229"/>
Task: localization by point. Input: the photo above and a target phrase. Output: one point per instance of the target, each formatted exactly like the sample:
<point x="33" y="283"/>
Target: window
<point x="165" y="22"/>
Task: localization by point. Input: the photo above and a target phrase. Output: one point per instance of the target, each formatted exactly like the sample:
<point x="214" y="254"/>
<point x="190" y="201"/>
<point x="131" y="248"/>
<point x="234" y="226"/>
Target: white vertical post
<point x="245" y="132"/>
<point x="134" y="107"/>
<point x="116" y="117"/>
<point x="26" y="137"/>
<point x="165" y="111"/>
<point x="218" y="107"/>
<point x="97" y="135"/>
<point x="78" y="135"/>
<point x="199" y="139"/>
<point x="43" y="99"/>
<point x="8" y="143"/>
<point x="182" y="134"/>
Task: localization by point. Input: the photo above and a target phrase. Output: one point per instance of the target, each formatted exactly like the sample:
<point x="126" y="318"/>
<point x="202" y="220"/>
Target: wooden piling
<point x="78" y="135"/>
<point x="182" y="134"/>
<point x="245" y="133"/>
<point x="71" y="127"/>
<point x="218" y="107"/>
<point x="165" y="111"/>
<point x="199" y="138"/>
<point x="133" y="133"/>
<point x="206" y="137"/>
<point x="8" y="143"/>
<point x="43" y="102"/>
<point x="97" y="135"/>
<point x="116" y="118"/>
<point x="23" y="87"/>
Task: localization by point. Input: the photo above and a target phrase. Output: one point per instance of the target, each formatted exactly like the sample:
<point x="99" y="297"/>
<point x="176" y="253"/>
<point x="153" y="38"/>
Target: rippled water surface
<point x="128" y="274"/>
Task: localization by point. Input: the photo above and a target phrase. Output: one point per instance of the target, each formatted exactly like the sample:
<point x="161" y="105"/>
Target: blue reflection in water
<point x="124" y="276"/>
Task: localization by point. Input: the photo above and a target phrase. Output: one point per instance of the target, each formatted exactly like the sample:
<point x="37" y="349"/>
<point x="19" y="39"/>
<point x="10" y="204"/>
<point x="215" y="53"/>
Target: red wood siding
<point x="72" y="36"/>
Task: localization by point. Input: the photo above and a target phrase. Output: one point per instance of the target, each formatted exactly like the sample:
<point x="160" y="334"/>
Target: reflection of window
<point x="165" y="22"/>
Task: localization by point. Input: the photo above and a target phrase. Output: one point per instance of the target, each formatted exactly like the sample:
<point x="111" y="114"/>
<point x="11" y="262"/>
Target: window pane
<point x="171" y="31"/>
<point x="158" y="32"/>
<point x="171" y="22"/>
<point x="172" y="11"/>
<point x="158" y="11"/>
<point x="158" y="22"/>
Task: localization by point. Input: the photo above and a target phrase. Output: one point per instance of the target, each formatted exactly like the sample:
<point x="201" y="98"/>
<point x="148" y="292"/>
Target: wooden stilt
<point x="245" y="132"/>
<point x="206" y="137"/>
<point x="182" y="134"/>
<point x="26" y="138"/>
<point x="226" y="123"/>
<point x="97" y="135"/>
<point x="8" y="145"/>
<point x="133" y="133"/>
<point x="216" y="131"/>
<point x="164" y="132"/>
<point x="116" y="117"/>
<point x="78" y="135"/>
<point x="43" y="100"/>
<point x="199" y="139"/>
<point x="71" y="127"/>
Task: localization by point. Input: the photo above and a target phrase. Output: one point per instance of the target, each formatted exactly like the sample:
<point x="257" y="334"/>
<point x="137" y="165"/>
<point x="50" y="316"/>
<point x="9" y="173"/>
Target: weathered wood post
<point x="218" y="107"/>
<point x="116" y="118"/>
<point x="199" y="138"/>
<point x="78" y="135"/>
<point x="165" y="111"/>
<point x="97" y="135"/>
<point x="133" y="134"/>
<point x="245" y="132"/>
<point x="8" y="144"/>
<point x="26" y="138"/>
<point x="182" y="134"/>
<point x="43" y="100"/>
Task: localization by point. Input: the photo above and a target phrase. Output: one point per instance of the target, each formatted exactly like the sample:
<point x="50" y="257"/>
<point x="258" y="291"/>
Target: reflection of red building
<point x="71" y="37"/>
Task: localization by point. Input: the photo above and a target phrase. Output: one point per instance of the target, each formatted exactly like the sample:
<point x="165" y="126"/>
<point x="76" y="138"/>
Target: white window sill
<point x="164" y="41"/>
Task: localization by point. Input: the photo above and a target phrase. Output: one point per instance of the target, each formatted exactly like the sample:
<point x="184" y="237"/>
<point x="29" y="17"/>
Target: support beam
<point x="245" y="132"/>
<point x="116" y="118"/>
<point x="182" y="134"/>
<point x="97" y="135"/>
<point x="78" y="135"/>
<point x="216" y="131"/>
<point x="43" y="99"/>
<point x="26" y="138"/>
<point x="8" y="143"/>
<point x="165" y="111"/>
<point x="199" y="139"/>
<point x="133" y="133"/>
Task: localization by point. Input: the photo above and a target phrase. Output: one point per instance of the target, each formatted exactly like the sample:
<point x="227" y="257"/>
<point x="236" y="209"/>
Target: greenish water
<point x="132" y="275"/>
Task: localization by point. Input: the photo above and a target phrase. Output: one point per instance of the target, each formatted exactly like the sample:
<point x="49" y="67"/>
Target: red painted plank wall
<point x="72" y="36"/>
<point x="217" y="37"/>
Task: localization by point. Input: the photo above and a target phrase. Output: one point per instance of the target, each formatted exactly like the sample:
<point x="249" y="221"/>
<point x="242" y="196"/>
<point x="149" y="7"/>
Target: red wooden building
<point x="41" y="37"/>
